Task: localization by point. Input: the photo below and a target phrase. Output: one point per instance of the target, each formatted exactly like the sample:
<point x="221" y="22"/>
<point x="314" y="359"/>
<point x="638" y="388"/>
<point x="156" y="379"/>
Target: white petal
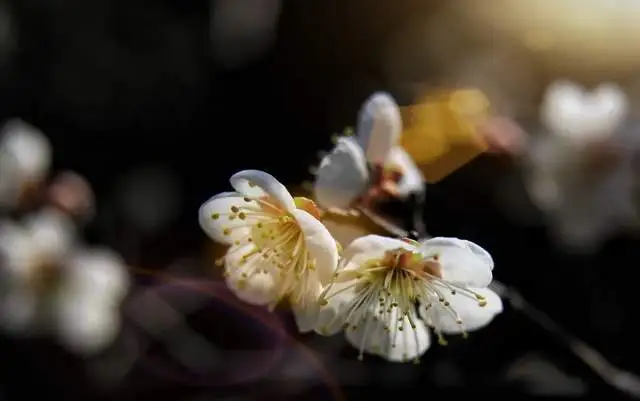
<point x="320" y="244"/>
<point x="332" y="316"/>
<point x="97" y="272"/>
<point x="342" y="175"/>
<point x="18" y="253"/>
<point x="307" y="318"/>
<point x="461" y="263"/>
<point x="86" y="326"/>
<point x="214" y="228"/>
<point x="379" y="126"/>
<point x="472" y="315"/>
<point x="394" y="345"/>
<point x="372" y="247"/>
<point x="251" y="281"/>
<point x="29" y="148"/>
<point x="52" y="231"/>
<point x="480" y="252"/>
<point x="256" y="183"/>
<point x="412" y="179"/>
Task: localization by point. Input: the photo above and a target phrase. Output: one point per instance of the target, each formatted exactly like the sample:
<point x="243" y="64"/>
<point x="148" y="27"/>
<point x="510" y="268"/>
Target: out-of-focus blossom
<point x="72" y="194"/>
<point x="87" y="303"/>
<point x="370" y="166"/>
<point x="278" y="247"/>
<point x="52" y="282"/>
<point x="242" y="30"/>
<point x="379" y="281"/>
<point x="25" y="159"/>
<point x="580" y="170"/>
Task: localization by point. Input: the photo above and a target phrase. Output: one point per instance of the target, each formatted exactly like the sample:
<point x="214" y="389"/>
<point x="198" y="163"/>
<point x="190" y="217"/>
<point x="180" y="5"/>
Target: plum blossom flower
<point x="580" y="171"/>
<point x="279" y="249"/>
<point x="380" y="281"/>
<point x="51" y="282"/>
<point x="25" y="159"/>
<point x="370" y="165"/>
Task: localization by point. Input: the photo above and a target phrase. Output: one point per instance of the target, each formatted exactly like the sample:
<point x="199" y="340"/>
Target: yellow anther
<point x="348" y="131"/>
<point x="235" y="209"/>
<point x="215" y="216"/>
<point x="226" y="231"/>
<point x="242" y="215"/>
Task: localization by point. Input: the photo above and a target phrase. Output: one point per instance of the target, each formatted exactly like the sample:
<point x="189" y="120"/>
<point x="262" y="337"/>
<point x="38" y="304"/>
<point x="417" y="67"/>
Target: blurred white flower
<point x="379" y="281"/>
<point x="570" y="112"/>
<point x="580" y="170"/>
<point x="52" y="282"/>
<point x="25" y="159"/>
<point x="87" y="304"/>
<point x="343" y="176"/>
<point x="278" y="247"/>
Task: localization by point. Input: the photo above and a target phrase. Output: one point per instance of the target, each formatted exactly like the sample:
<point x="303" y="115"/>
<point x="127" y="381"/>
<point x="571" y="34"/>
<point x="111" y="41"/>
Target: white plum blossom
<point x="580" y="170"/>
<point x="51" y="282"/>
<point x="387" y="292"/>
<point x="25" y="159"/>
<point x="279" y="249"/>
<point x="373" y="160"/>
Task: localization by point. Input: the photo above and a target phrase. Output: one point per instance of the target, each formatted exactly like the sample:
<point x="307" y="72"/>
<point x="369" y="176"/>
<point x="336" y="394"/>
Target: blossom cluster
<point x="382" y="292"/>
<point x="51" y="281"/>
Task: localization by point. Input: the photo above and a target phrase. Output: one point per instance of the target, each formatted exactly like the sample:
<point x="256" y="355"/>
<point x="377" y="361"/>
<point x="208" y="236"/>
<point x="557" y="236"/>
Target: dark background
<point x="119" y="84"/>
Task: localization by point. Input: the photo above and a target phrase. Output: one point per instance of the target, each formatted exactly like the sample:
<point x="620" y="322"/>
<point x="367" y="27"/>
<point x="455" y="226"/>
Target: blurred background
<point x="156" y="103"/>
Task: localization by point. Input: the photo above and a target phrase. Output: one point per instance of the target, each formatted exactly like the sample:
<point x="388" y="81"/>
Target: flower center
<point x="388" y="289"/>
<point x="278" y="245"/>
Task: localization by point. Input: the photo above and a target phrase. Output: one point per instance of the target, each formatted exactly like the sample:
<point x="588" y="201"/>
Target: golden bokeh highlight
<point x="440" y="131"/>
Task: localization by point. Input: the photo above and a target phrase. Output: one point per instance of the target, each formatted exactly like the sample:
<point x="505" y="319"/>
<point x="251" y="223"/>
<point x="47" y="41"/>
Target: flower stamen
<point x="278" y="242"/>
<point x="394" y="284"/>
